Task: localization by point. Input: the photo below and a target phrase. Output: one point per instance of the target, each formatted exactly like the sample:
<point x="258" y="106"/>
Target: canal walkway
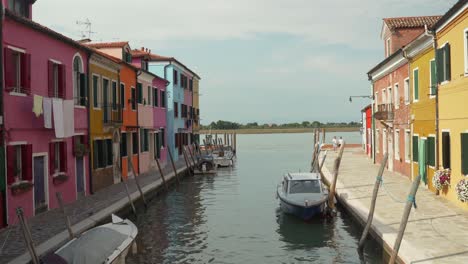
<point x="437" y="231"/>
<point x="49" y="230"/>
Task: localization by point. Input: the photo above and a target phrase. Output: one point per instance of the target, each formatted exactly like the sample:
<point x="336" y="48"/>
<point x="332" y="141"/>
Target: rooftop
<point x="101" y="45"/>
<point x="410" y="22"/>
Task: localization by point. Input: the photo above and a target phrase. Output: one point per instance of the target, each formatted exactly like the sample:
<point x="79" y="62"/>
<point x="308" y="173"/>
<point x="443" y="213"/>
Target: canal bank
<point x="49" y="231"/>
<point x="437" y="231"/>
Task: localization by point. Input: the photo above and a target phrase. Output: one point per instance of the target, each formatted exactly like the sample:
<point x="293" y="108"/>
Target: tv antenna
<point x="87" y="28"/>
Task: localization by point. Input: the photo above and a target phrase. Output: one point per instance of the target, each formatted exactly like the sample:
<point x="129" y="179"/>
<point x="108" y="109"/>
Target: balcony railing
<point x="385" y="112"/>
<point x="112" y="114"/>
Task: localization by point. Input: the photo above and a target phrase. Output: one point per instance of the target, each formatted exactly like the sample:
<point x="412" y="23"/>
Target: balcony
<point x="112" y="114"/>
<point x="385" y="112"/>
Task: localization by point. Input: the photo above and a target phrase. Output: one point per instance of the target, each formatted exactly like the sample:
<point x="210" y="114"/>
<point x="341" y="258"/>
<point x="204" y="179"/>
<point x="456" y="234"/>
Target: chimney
<point x="142" y="48"/>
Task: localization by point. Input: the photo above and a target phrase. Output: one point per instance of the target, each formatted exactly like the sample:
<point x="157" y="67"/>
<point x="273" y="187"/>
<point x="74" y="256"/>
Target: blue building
<point x="179" y="92"/>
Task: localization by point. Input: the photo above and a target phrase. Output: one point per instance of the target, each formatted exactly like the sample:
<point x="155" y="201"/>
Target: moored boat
<point x="302" y="194"/>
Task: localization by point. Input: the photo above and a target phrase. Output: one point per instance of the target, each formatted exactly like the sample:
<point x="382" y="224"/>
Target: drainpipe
<point x="405" y="55"/>
<point x="432" y="34"/>
<point x="90" y="169"/>
<point x="138" y="73"/>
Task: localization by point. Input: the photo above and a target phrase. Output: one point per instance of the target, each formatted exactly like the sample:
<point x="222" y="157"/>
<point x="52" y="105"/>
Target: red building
<point x="367" y="130"/>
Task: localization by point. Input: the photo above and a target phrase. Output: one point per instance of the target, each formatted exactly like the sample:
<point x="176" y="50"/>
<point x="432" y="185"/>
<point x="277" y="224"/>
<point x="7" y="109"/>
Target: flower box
<point x="462" y="190"/>
<point x="21" y="187"/>
<point x="441" y="179"/>
<point x="59" y="178"/>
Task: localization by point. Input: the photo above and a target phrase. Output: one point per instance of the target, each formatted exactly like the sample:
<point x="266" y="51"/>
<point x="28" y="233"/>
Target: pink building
<point x="45" y="152"/>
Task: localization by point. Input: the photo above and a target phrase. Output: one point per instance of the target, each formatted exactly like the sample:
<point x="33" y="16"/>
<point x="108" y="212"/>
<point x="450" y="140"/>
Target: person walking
<point x="335" y="143"/>
<point x="340" y="142"/>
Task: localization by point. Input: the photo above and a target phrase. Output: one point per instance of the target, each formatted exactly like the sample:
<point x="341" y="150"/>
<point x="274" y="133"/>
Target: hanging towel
<point x="47" y="105"/>
<point x="68" y="118"/>
<point x="57" y="106"/>
<point x="422" y="159"/>
<point x="37" y="107"/>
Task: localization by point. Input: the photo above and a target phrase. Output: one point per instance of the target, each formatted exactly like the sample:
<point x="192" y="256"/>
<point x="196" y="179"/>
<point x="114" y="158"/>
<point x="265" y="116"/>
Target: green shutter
<point x="142" y="140"/>
<point x="415" y="148"/>
<point x="439" y="65"/>
<point x="447" y="62"/>
<point x="431" y="151"/>
<point x="464" y="153"/>
<point x="140" y="93"/>
<point x="95" y="91"/>
<point x="433" y="77"/>
<point x="416" y="84"/>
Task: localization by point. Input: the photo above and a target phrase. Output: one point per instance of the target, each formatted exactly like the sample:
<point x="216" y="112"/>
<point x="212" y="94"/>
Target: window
<point x="163" y="137"/>
<point x="388" y="50"/>
<point x="17" y="71"/>
<point x="397" y="96"/>
<point x="140" y="93"/>
<point x="443" y="63"/>
<point x="377" y="141"/>
<point x="103" y="154"/>
<point x="144" y="140"/>
<point x="446" y="150"/>
<point x="109" y="152"/>
<point x="464" y="153"/>
<point x="157" y="145"/>
<point x="191" y="85"/>
<point x="57" y="157"/>
<point x="19" y="163"/>
<point x="305" y="186"/>
<point x="127" y="56"/>
<point x="56" y="80"/>
<point x="149" y="89"/>
<point x="163" y="98"/>
<point x="20" y="7"/>
<point x="390" y="96"/>
<point x="397" y="144"/>
<point x="384" y="141"/>
<point x="133" y="98"/>
<point x="415" y="148"/>
<point x="175" y="76"/>
<point x="433" y="76"/>
<point x="176" y="110"/>
<point x="416" y="85"/>
<point x="384" y="96"/>
<point x="114" y="95"/>
<point x="155" y="97"/>
<point x="431" y="151"/>
<point x="95" y="91"/>
<point x="376" y="100"/>
<point x="122" y="95"/>
<point x="465" y="37"/>
<point x="144" y="65"/>
<point x="407" y="146"/>
<point x="79" y="82"/>
<point x="134" y="143"/>
<point x="123" y="145"/>
<point x="407" y="91"/>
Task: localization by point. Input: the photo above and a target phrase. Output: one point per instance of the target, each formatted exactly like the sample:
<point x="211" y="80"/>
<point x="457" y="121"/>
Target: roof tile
<point x="410" y="22"/>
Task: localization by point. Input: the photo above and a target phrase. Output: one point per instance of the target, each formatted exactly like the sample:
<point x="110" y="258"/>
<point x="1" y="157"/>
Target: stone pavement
<point x="437" y="231"/>
<point x="49" y="230"/>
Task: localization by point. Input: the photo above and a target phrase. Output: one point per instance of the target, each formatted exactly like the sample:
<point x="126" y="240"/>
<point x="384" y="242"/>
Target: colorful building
<point x="452" y="70"/>
<point x="422" y="85"/>
<point x="105" y="115"/>
<point x="366" y="130"/>
<point x="179" y="100"/>
<point x="196" y="108"/>
<point x="45" y="118"/>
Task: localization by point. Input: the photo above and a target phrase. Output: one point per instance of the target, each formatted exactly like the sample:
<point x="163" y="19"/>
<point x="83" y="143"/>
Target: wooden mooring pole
<point x="187" y="162"/>
<point x="404" y="220"/>
<point x="65" y="216"/>
<point x="323" y="160"/>
<point x="323" y="135"/>
<point x="137" y="181"/>
<point x="126" y="188"/>
<point x="336" y="167"/>
<point x="235" y="141"/>
<point x="370" y="217"/>
<point x="27" y="236"/>
<point x="161" y="173"/>
<point x="191" y="155"/>
<point x="173" y="164"/>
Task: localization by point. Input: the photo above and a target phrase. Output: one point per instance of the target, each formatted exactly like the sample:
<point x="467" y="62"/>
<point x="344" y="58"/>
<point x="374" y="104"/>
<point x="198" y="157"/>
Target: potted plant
<point x="80" y="149"/>
<point x="20" y="187"/>
<point x="60" y="178"/>
<point x="441" y="179"/>
<point x="462" y="190"/>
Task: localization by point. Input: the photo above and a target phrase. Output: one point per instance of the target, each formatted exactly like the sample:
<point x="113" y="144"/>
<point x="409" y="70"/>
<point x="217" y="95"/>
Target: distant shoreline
<point x="278" y="130"/>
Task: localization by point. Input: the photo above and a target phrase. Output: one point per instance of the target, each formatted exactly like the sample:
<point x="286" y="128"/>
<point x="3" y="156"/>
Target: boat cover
<point x="94" y="246"/>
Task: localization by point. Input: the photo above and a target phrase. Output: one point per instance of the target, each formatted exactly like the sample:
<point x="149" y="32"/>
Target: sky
<point x="266" y="61"/>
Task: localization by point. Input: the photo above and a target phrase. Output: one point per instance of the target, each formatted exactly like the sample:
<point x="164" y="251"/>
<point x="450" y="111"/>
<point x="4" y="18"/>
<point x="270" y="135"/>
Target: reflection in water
<point x="233" y="217"/>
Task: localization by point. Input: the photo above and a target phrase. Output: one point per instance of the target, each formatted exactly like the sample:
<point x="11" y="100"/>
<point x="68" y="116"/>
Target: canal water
<point x="234" y="217"/>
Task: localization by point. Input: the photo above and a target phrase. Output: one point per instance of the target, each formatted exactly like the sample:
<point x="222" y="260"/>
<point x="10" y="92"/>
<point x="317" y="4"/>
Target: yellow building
<point x="105" y="117"/>
<point x="420" y="92"/>
<point x="452" y="74"/>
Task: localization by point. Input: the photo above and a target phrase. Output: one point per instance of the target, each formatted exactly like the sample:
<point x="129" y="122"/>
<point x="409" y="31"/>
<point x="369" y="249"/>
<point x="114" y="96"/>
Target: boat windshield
<point x="305" y="186"/>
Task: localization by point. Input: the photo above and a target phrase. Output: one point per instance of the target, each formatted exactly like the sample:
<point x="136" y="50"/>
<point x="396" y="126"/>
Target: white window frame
<point x="412" y="158"/>
<point x="435" y="149"/>
<point x="396" y="93"/>
<point x="76" y="82"/>
<point x="389" y="95"/>
<point x="431" y="96"/>
<point x="443" y="59"/>
<point x="385" y="142"/>
<point x="384" y="96"/>
<point x="376" y="99"/>
<point x="408" y="145"/>
<point x="407" y="93"/>
<point x="397" y="144"/>
<point x="414" y="86"/>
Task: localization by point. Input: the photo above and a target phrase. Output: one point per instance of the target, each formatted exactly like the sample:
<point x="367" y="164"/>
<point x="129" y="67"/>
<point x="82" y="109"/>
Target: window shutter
<point x="26" y="73"/>
<point x="51" y="158"/>
<point x="142" y="140"/>
<point x="447" y="62"/>
<point x="446" y="150"/>
<point x="122" y="95"/>
<point x="10" y="69"/>
<point x="439" y="65"/>
<point x="50" y="77"/>
<point x="109" y="152"/>
<point x="11" y="155"/>
<point x="433" y="78"/>
<point x="26" y="156"/>
<point x="416" y="84"/>
<point x="431" y="151"/>
<point x="63" y="158"/>
<point x="415" y="148"/>
<point x="105" y="155"/>
<point x="95" y="155"/>
<point x="464" y="153"/>
<point x="140" y="93"/>
<point x="62" y="81"/>
<point x="83" y="91"/>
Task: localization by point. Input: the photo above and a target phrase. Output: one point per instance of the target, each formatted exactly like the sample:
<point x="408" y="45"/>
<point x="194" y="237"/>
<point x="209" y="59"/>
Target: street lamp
<point x="360" y="96"/>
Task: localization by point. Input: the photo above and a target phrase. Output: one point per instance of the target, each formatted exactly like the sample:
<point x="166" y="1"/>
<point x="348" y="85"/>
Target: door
<point x="40" y="185"/>
<point x="80" y="184"/>
<point x="422" y="159"/>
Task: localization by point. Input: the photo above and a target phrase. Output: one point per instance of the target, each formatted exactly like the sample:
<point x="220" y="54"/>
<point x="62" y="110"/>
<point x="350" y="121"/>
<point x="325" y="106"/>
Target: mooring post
<point x="323" y="160"/>
<point x="187" y="163"/>
<point x="137" y="181"/>
<point x="161" y="173"/>
<point x="65" y="216"/>
<point x="225" y="138"/>
<point x="27" y="236"/>
<point x="173" y="164"/>
<point x="314" y="157"/>
<point x="323" y="135"/>
<point x="126" y="188"/>
<point x="235" y="142"/>
<point x="336" y="167"/>
<point x="404" y="220"/>
<point x="370" y="217"/>
<point x="192" y="156"/>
